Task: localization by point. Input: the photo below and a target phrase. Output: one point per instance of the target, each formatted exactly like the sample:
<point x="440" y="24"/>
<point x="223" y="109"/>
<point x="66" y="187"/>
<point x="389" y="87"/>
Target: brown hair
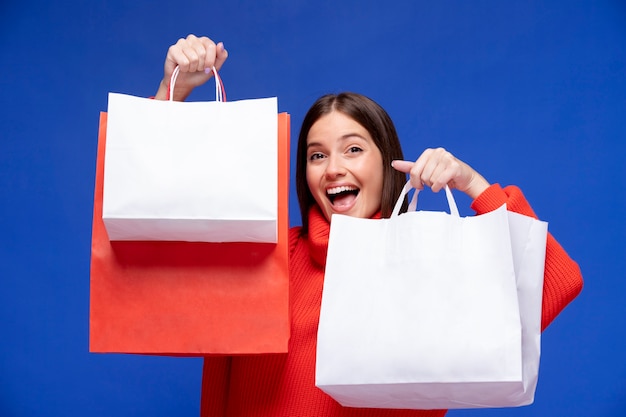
<point x="377" y="122"/>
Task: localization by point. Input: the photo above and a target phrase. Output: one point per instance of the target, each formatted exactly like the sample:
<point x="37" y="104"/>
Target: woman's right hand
<point x="192" y="55"/>
<point x="437" y="168"/>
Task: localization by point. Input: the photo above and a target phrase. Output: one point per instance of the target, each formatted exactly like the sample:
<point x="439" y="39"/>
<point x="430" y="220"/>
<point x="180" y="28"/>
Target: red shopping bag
<point x="190" y="298"/>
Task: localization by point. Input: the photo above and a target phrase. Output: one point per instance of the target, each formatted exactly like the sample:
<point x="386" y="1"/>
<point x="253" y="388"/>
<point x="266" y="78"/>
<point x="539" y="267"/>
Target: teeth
<point x="337" y="190"/>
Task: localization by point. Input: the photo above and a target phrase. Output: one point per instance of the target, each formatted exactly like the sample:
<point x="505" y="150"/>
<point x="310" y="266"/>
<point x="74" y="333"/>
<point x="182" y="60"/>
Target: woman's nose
<point x="335" y="167"/>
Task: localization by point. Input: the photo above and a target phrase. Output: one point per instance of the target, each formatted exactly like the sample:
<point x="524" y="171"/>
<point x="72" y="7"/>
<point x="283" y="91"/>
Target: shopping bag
<point x="190" y="298"/>
<point x="432" y="310"/>
<point x="191" y="171"/>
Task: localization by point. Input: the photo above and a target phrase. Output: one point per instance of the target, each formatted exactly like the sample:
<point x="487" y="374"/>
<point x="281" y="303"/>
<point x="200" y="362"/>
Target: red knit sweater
<point x="284" y="385"/>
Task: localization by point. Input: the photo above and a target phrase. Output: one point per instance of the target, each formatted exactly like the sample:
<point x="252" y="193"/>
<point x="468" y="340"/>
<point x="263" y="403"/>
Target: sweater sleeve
<point x="215" y="383"/>
<point x="562" y="277"/>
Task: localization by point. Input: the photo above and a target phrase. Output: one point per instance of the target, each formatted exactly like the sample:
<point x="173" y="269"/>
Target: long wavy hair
<point x="377" y="122"/>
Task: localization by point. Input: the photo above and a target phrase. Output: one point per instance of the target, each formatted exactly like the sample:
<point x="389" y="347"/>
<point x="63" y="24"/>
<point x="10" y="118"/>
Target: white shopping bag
<point x="421" y="311"/>
<point x="197" y="171"/>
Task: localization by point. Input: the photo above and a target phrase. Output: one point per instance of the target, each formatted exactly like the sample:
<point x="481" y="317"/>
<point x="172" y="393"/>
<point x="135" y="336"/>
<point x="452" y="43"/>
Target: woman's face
<point x="344" y="168"/>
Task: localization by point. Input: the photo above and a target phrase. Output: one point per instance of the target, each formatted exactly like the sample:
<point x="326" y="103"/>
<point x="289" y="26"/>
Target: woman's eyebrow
<point x="312" y="144"/>
<point x="343" y="137"/>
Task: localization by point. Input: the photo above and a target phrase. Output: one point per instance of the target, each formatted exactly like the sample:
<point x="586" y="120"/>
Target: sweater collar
<point x="319" y="231"/>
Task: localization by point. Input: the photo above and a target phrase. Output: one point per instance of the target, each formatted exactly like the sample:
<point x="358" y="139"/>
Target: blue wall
<point x="530" y="93"/>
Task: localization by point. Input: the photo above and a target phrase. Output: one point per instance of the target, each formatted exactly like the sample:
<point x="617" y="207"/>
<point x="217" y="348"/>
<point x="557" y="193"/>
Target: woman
<point x="349" y="161"/>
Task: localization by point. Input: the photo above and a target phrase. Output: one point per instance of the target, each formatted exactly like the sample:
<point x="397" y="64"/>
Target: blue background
<point x="529" y="93"/>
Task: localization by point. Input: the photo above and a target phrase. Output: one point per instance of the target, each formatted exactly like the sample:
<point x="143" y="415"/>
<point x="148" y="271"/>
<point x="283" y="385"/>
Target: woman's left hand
<point x="438" y="167"/>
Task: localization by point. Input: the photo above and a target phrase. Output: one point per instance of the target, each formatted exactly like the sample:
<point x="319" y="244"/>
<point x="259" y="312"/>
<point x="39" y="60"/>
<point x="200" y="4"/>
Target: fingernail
<point x="221" y="46"/>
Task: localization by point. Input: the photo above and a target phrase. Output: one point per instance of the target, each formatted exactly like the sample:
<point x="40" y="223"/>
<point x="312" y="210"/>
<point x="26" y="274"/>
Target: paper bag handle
<point x="413" y="204"/>
<point x="220" y="93"/>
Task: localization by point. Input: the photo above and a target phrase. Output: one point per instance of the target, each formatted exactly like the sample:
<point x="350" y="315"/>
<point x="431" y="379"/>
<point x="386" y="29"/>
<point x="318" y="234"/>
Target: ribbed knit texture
<point x="284" y="385"/>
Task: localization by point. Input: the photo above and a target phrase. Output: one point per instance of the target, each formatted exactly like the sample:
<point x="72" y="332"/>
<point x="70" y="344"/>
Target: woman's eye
<point x="315" y="156"/>
<point x="355" y="149"/>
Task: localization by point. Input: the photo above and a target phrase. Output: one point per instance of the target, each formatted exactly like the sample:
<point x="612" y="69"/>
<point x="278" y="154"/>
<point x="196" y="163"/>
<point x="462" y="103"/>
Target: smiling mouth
<point x="342" y="196"/>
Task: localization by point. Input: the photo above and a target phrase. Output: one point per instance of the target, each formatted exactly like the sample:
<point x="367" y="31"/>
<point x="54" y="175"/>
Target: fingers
<point x="434" y="168"/>
<point x="211" y="54"/>
<point x="409" y="167"/>
<point x="402" y="166"/>
<point x="221" y="56"/>
<point x="194" y="54"/>
<point x="437" y="167"/>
